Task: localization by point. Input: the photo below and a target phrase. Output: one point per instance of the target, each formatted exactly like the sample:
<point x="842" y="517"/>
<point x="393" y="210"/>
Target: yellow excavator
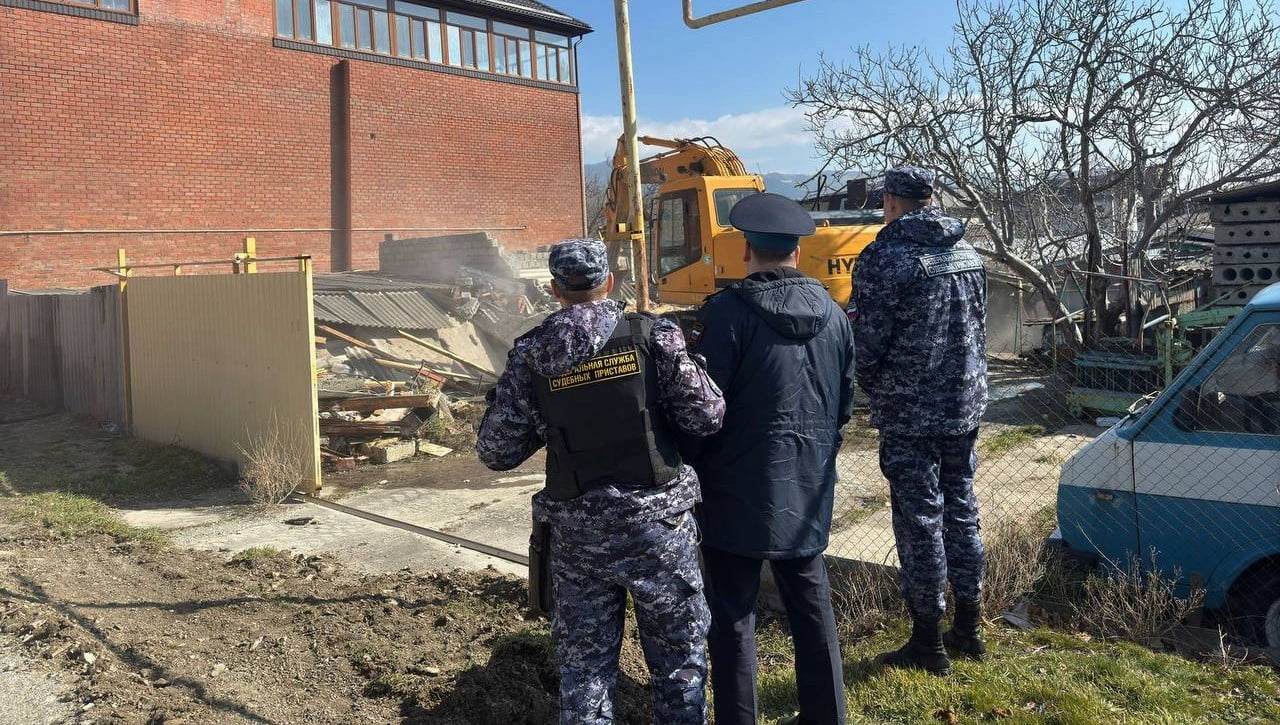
<point x="693" y="252"/>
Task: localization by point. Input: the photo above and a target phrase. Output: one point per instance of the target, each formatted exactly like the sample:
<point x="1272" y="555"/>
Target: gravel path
<point x="28" y="697"/>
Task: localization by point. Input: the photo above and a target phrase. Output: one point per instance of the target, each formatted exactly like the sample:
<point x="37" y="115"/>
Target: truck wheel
<point x="1272" y="625"/>
<point x="1255" y="613"/>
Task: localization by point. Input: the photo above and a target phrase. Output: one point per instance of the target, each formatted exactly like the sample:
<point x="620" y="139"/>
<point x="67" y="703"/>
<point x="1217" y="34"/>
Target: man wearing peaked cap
<point x="782" y="352"/>
<point x="919" y="318"/>
<point x="607" y="392"/>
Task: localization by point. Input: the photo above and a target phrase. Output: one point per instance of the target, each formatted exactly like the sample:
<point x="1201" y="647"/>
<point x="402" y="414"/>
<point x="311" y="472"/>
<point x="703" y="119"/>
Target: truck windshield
<point x="1243" y="393"/>
<point x="725" y="199"/>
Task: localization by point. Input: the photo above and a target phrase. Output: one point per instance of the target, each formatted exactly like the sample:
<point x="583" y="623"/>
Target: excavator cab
<point x="693" y="251"/>
<point x="691" y="240"/>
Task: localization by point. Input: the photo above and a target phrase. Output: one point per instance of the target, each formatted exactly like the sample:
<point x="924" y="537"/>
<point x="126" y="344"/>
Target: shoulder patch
<point x="695" y="334"/>
<point x="954" y="262"/>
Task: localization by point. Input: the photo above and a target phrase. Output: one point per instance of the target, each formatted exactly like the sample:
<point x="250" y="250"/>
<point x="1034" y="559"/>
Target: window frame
<point x="715" y="200"/>
<point x="1188" y="415"/>
<point x="96" y="5"/>
<point x="691" y="228"/>
<point x="438" y="24"/>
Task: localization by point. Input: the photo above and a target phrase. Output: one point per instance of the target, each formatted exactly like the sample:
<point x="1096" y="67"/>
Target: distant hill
<point x="778" y="183"/>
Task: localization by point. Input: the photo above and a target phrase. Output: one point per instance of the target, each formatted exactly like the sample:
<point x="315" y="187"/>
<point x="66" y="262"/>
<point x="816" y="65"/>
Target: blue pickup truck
<point x="1195" y="478"/>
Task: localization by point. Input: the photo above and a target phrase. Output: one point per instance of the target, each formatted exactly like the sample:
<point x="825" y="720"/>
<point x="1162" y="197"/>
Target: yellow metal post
<point x="122" y="299"/>
<point x="631" y="141"/>
<point x="250" y="252"/>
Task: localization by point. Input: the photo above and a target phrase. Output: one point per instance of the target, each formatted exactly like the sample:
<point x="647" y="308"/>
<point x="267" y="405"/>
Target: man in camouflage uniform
<point x="608" y="392"/>
<point x="919" y="320"/>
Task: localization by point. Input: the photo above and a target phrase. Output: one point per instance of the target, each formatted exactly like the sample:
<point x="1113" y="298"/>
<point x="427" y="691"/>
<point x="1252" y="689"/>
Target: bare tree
<point x="1068" y="126"/>
<point x="595" y="189"/>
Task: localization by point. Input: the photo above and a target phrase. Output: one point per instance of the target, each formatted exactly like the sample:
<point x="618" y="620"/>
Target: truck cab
<point x="1190" y="484"/>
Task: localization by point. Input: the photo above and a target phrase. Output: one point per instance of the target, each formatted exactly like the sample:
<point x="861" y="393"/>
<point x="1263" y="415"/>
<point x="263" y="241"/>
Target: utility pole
<point x="631" y="133"/>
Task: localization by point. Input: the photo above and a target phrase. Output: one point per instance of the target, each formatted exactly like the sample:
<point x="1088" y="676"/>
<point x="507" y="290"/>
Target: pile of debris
<point x="357" y="428"/>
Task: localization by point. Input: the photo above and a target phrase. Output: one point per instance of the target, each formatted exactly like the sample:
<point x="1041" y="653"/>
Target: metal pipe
<point x="54" y="232"/>
<point x="731" y="13"/>
<point x="631" y="141"/>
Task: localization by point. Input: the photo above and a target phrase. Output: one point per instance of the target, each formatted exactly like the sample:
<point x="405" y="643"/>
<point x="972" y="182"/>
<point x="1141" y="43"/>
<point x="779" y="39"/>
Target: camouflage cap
<point x="909" y="182"/>
<point x="579" y="264"/>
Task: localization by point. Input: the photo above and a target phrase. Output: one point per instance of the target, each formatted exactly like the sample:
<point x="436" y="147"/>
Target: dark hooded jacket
<point x="919" y="317"/>
<point x="782" y="352"/>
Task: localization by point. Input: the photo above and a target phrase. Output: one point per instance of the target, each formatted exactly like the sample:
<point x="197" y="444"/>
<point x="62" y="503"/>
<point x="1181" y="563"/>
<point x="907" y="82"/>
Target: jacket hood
<point x="794" y="305"/>
<point x="928" y="226"/>
<point x="568" y="337"/>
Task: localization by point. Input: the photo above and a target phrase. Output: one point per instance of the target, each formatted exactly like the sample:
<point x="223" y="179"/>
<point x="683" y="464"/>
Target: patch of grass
<point x="115" y="469"/>
<point x="1051" y="459"/>
<point x="1006" y="440"/>
<point x="1036" y="677"/>
<point x="70" y="516"/>
<point x="255" y="554"/>
<point x="857" y="510"/>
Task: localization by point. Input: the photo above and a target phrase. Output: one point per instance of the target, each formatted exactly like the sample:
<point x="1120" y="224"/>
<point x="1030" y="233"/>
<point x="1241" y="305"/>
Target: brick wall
<point x="193" y="120"/>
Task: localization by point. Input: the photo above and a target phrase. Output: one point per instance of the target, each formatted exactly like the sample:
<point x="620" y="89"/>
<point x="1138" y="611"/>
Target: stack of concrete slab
<point x="1246" y="256"/>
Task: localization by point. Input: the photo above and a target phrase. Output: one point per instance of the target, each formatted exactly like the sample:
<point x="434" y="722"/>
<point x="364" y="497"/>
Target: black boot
<point x="924" y="651"/>
<point x="965" y="635"/>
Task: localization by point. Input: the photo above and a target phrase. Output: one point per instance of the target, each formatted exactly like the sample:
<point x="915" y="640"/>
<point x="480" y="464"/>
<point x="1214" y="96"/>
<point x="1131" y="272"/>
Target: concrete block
<point x="392" y="451"/>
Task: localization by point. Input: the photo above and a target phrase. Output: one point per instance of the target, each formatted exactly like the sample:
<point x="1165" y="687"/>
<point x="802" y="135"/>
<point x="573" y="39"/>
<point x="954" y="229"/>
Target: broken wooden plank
<point x="383" y="402"/>
<point x="357" y="429"/>
<point x="433" y="449"/>
<point x="419" y="369"/>
<point x="320" y="340"/>
<point x="446" y="353"/>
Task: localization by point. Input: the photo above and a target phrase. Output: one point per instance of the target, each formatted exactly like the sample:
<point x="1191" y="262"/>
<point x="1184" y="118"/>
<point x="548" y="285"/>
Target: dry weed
<point x="866" y="598"/>
<point x="272" y="469"/>
<point x="1015" y="563"/>
<point x="1134" y="603"/>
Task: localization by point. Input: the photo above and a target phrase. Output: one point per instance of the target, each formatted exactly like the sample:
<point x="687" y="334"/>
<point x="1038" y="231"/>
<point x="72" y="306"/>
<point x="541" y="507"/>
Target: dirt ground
<point x="179" y="636"/>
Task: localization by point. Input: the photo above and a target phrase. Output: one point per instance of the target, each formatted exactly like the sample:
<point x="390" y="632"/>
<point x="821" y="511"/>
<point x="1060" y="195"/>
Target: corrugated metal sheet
<point x="421" y="310"/>
<point x="220" y="361"/>
<point x="343" y="309"/>
<point x="392" y="309"/>
<point x="64" y="350"/>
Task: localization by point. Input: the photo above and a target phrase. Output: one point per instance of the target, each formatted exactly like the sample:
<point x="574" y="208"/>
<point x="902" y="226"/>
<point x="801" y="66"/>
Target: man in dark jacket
<point x="607" y="392"/>
<point x="919" y="318"/>
<point x="782" y="352"/>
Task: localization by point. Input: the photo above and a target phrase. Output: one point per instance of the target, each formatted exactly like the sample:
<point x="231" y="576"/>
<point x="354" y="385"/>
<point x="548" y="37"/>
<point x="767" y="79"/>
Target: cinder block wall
<point x="193" y="120"/>
<point x="438" y="259"/>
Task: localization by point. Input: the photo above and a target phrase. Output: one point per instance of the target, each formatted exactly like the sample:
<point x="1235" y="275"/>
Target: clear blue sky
<point x="728" y="80"/>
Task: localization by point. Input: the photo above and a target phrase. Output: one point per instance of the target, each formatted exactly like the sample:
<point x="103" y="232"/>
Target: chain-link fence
<point x="1185" y="489"/>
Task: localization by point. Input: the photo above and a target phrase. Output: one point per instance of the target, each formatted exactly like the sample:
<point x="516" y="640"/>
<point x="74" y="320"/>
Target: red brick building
<point x="174" y="128"/>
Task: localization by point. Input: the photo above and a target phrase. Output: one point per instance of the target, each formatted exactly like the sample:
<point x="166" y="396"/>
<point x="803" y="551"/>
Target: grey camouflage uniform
<point x="919" y="322"/>
<point x="611" y="541"/>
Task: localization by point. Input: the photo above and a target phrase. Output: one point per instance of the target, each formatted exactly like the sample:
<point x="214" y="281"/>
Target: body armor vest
<point x="605" y="424"/>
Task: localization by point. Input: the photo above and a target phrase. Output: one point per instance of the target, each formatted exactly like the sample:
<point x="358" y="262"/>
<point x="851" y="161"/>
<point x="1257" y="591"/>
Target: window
<point x="512" y="51"/>
<point x="553" y="57"/>
<point x="324" y="22"/>
<point x="468" y="41"/>
<point x="725" y="199"/>
<point x="346" y="26"/>
<point x="412" y="31"/>
<point x="1242" y="395"/>
<point x="679" y="231"/>
<point x="120" y="6"/>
